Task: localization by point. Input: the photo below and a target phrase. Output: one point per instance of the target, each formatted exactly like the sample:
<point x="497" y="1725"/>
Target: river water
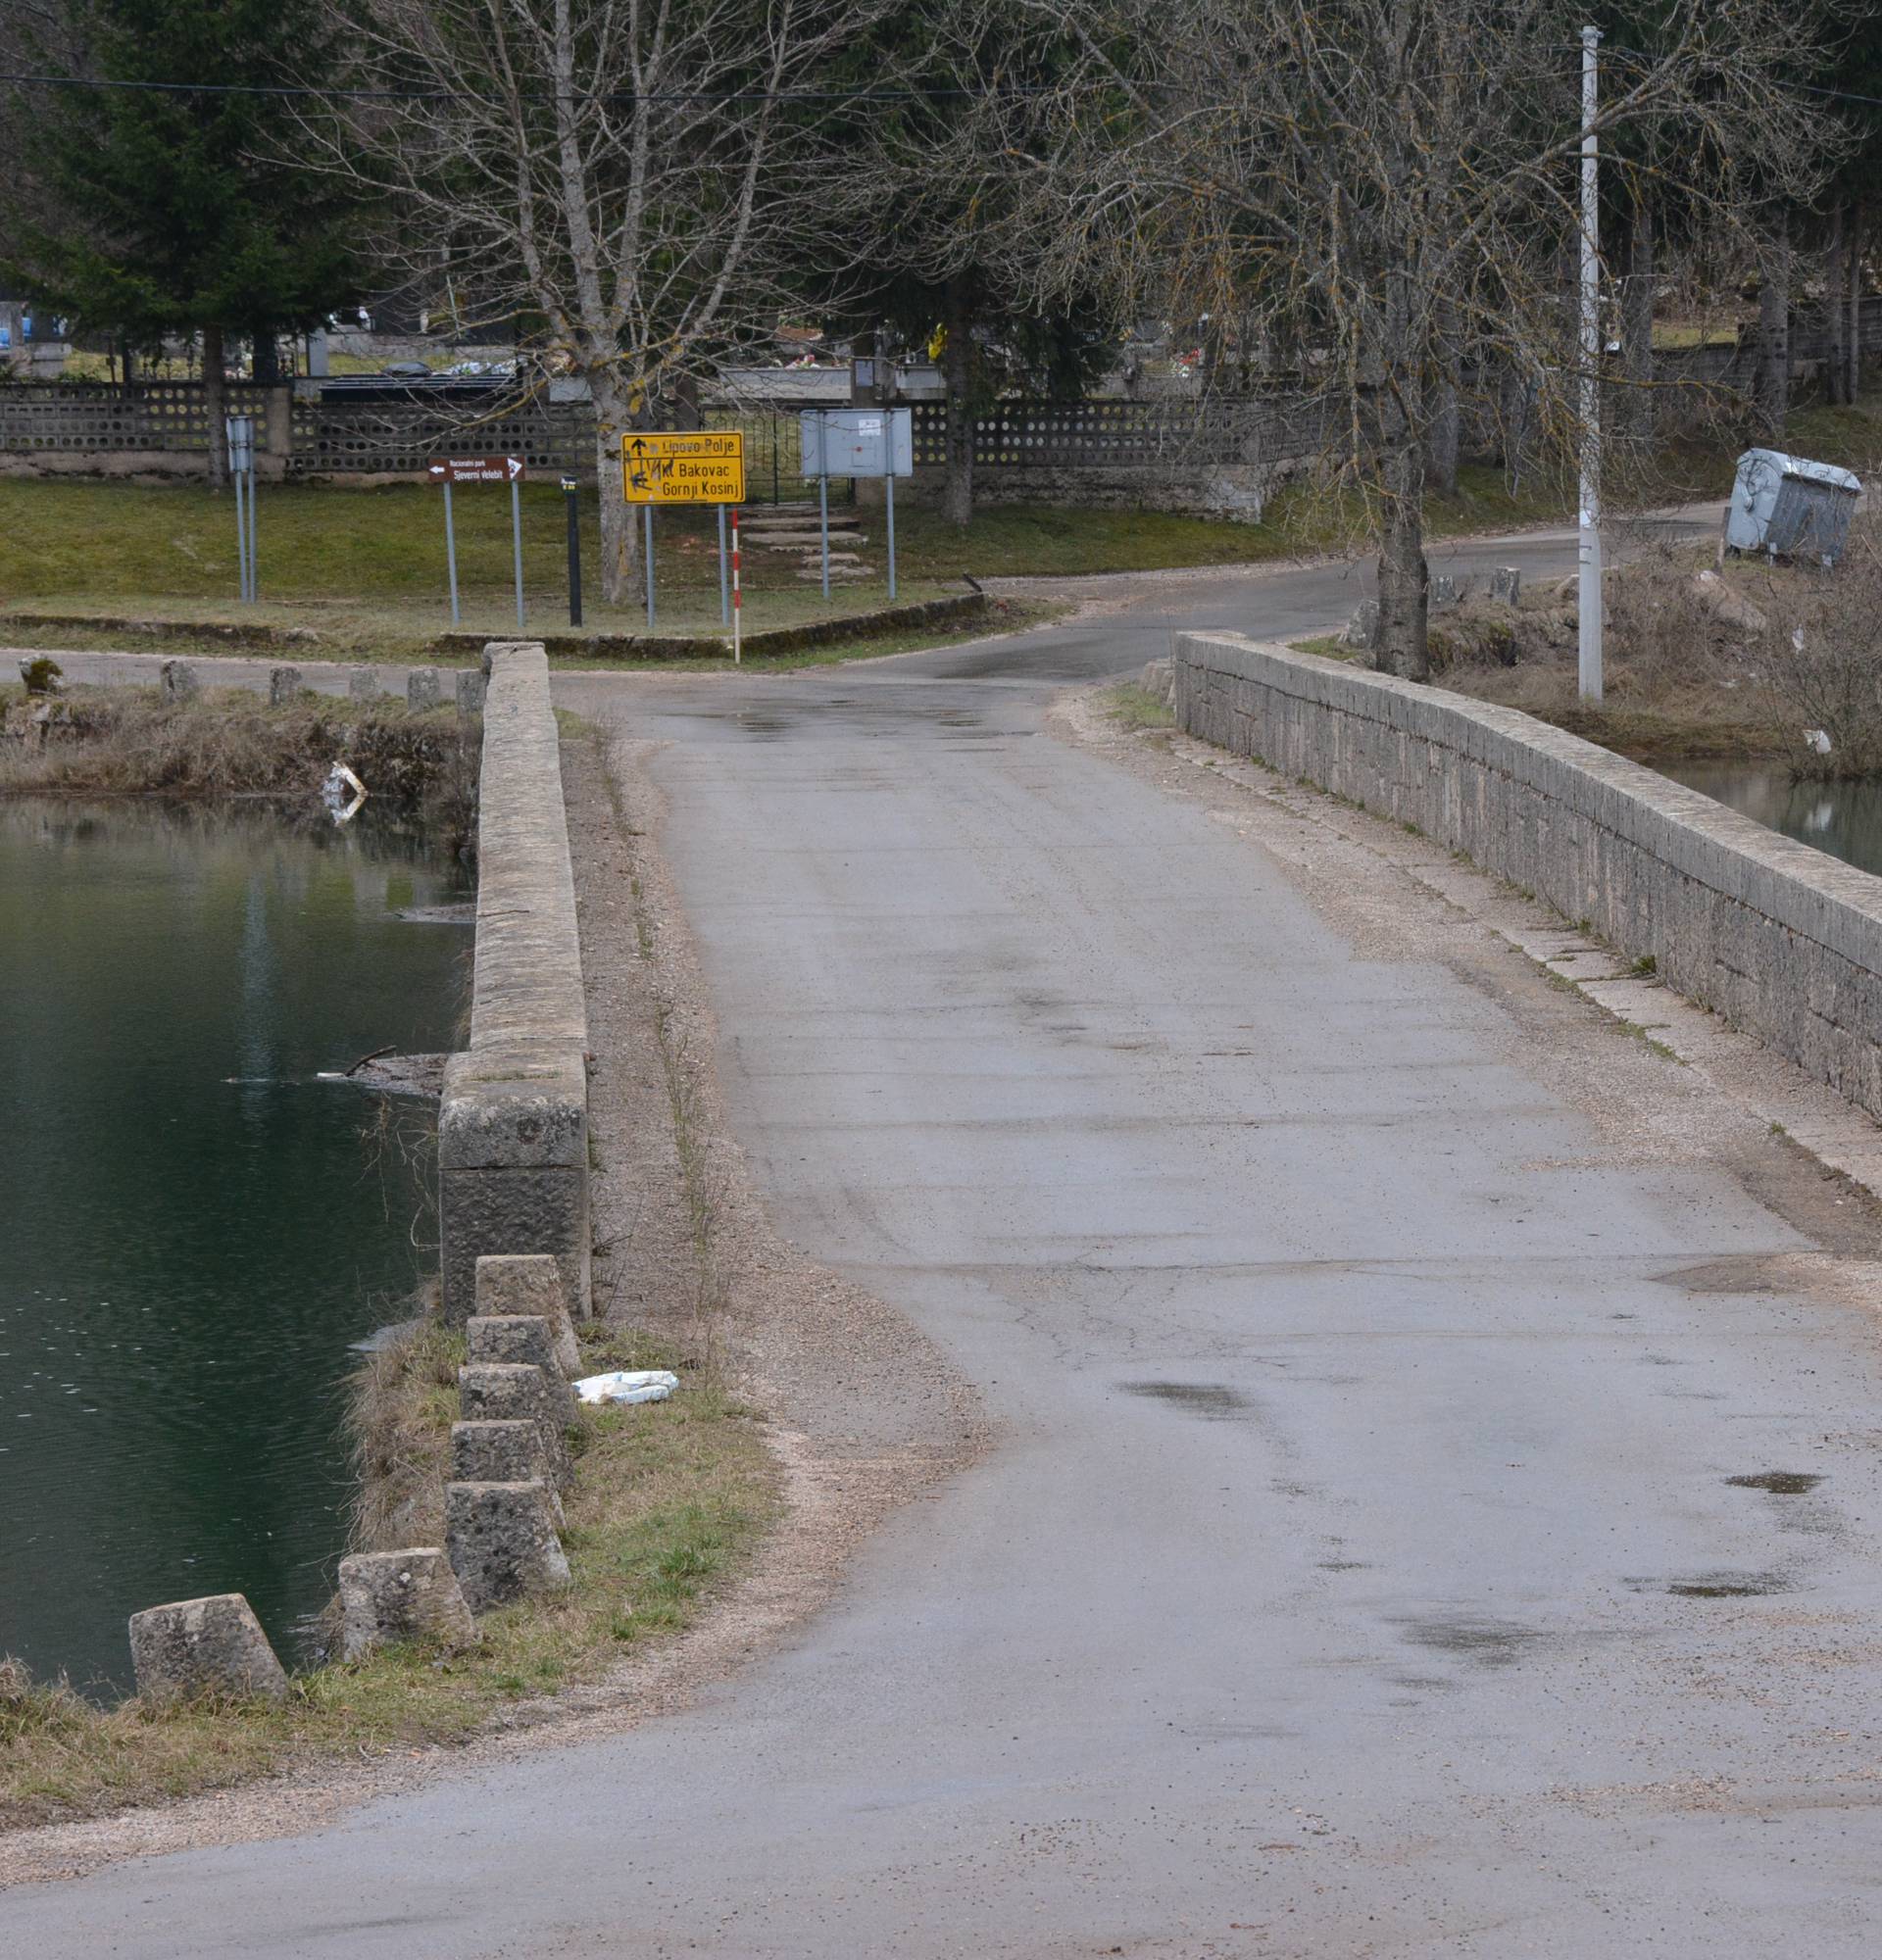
<point x="192" y="1229"/>
<point x="1843" y="818"/>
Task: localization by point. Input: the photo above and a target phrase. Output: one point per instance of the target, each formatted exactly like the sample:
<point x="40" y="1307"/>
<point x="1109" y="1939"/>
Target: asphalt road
<point x="1356" y="1572"/>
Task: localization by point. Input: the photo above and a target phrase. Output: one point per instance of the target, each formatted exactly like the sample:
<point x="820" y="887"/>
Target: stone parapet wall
<point x="1779" y="939"/>
<point x="512" y="1125"/>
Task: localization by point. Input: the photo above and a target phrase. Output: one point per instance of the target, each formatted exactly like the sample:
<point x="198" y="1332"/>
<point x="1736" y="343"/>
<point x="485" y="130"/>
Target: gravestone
<point x="283" y="684"/>
<point x="1505" y="583"/>
<point x="472" y="688"/>
<point x="422" y="692"/>
<point x="363" y="684"/>
<point x="178" y="679"/>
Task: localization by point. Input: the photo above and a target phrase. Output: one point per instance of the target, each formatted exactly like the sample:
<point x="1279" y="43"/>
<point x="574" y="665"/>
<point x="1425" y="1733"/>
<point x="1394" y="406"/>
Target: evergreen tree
<point x="168" y="204"/>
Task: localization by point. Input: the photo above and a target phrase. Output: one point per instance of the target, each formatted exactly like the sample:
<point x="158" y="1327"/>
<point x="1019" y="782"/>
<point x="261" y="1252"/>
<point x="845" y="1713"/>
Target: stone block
<point x="502" y="1541"/>
<point x="178" y="679"/>
<point x="214" y="1646"/>
<point x="497" y="1453"/>
<point x="1363" y="626"/>
<point x="525" y="1338"/>
<point x="1446" y="591"/>
<point x="283" y="684"/>
<point x="503" y="1452"/>
<point x="510" y="1283"/>
<point x="409" y="1596"/>
<point x="471" y="688"/>
<point x="363" y="684"/>
<point x="421" y="689"/>
<point x="514" y="1392"/>
<point x="486" y="1210"/>
<point x="1505" y="583"/>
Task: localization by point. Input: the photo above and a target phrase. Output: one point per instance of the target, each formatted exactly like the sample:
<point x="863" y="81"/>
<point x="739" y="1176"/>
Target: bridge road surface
<point x="1350" y="1430"/>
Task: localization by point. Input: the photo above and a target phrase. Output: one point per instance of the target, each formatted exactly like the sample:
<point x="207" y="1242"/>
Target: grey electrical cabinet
<point x="1789" y="507"/>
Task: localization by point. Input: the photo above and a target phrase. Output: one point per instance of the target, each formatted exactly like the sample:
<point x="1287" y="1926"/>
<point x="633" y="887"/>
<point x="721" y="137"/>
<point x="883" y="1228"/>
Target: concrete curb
<point x="965" y="606"/>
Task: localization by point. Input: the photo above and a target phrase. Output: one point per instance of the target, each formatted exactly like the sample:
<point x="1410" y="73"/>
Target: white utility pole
<point x="1589" y="555"/>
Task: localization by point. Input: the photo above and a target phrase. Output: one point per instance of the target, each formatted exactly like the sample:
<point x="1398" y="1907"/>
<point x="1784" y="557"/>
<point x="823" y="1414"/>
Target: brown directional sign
<point x="477" y="470"/>
<point x="683" y="466"/>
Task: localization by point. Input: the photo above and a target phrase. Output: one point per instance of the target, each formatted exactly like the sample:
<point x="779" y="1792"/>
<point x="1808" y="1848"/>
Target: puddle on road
<point x="1213" y="1401"/>
<point x="1779" y="1483"/>
<point x="1486" y="1642"/>
<point x="1729" y="1586"/>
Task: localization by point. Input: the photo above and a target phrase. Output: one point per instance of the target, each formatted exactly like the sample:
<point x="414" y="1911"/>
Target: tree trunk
<point x="687" y="414"/>
<point x="1637" y="325"/>
<point x="1401" y="646"/>
<point x="619" y="528"/>
<point x="1835" y="314"/>
<point x="1771" y="386"/>
<point x="1514" y="414"/>
<point x="956" y="499"/>
<point x="1441" y="437"/>
<point x="267" y="365"/>
<point x="215" y="407"/>
<point x="1853" y="339"/>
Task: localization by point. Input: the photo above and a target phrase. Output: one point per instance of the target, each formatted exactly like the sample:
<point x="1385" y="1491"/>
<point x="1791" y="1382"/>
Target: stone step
<point x="837" y="571"/>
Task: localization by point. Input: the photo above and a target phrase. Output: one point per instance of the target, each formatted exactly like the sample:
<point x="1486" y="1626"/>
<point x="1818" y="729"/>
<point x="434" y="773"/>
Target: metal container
<point x="1789" y="507"/>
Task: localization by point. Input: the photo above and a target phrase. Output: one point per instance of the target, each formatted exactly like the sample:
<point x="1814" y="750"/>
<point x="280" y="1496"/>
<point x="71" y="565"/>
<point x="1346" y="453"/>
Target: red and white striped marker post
<point x="735" y="592"/>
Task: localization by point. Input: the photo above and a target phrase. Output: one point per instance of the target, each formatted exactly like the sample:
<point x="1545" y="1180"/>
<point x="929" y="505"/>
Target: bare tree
<point x="624" y="179"/>
<point x="1393" y="185"/>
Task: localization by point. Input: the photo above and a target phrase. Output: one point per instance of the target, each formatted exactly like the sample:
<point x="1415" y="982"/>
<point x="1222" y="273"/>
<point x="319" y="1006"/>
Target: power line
<point x="308" y="91"/>
<point x="613" y="95"/>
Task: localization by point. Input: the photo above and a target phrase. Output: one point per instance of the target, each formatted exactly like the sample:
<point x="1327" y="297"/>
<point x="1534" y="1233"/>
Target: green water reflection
<point x="193" y="1232"/>
<point x="1843" y="818"/>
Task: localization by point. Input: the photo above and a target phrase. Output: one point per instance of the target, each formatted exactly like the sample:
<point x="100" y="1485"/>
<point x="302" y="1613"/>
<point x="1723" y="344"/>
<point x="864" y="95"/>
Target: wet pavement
<point x="1425" y="1515"/>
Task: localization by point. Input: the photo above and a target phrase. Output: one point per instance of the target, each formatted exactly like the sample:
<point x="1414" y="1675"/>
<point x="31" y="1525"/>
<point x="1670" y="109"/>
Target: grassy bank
<point x="667" y="1500"/>
<point x="94" y="742"/>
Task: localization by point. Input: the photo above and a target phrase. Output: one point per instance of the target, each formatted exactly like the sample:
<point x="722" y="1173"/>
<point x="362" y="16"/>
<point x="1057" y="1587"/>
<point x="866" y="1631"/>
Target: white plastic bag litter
<point x="628" y="1384"/>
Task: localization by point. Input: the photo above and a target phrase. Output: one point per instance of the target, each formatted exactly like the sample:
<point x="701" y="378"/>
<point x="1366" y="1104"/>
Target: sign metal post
<point x="571" y="492"/>
<point x="737" y="609"/>
<point x="646" y="515"/>
<point x="240" y="433"/>
<point x="516" y="534"/>
<point x="510" y="469"/>
<point x="853" y="443"/>
<point x="725" y="593"/>
<point x="683" y="466"/>
<point x="451" y="553"/>
<point x="888" y="489"/>
<point x="823" y="523"/>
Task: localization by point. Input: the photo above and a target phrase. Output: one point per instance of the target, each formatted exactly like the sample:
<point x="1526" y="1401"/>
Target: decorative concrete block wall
<point x="512" y="1125"/>
<point x="1779" y="939"/>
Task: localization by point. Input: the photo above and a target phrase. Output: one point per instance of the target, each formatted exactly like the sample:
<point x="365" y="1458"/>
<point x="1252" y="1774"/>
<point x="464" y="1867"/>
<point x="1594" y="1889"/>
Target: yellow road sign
<point x="689" y="466"/>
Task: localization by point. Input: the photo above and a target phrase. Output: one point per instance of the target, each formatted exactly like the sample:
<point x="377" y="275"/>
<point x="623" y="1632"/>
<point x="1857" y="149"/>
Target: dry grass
<point x="667" y="1497"/>
<point x="399" y="1415"/>
<point x="228" y="741"/>
<point x="1734" y="663"/>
